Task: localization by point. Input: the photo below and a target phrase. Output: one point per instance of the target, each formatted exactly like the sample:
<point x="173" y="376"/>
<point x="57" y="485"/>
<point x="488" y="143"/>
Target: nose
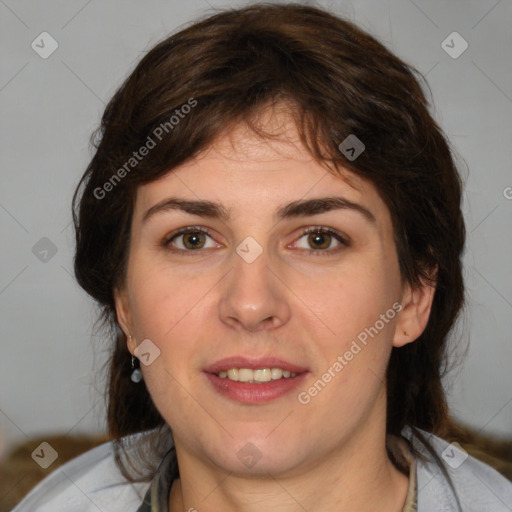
<point x="253" y="296"/>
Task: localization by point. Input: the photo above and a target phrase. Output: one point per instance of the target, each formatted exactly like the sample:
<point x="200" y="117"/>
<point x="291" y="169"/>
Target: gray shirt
<point x="92" y="483"/>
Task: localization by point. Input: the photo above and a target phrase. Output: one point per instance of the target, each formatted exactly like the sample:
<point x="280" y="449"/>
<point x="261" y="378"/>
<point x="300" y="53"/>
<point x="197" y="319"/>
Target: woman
<point x="271" y="224"/>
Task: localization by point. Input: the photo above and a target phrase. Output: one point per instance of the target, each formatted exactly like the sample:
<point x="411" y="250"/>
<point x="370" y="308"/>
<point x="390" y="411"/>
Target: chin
<point x="258" y="456"/>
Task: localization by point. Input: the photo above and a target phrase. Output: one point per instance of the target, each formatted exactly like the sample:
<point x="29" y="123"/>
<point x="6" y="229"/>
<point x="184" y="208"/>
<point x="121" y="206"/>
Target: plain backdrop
<point x="50" y="362"/>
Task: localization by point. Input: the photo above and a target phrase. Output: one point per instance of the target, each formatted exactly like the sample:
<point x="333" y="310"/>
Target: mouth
<point x="255" y="376"/>
<point x="254" y="381"/>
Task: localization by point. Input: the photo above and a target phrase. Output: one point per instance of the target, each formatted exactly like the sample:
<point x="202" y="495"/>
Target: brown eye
<point x="193" y="240"/>
<point x="188" y="240"/>
<point x="322" y="241"/>
<point x="319" y="240"/>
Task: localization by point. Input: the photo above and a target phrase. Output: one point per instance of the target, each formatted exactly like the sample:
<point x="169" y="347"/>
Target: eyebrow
<point x="300" y="208"/>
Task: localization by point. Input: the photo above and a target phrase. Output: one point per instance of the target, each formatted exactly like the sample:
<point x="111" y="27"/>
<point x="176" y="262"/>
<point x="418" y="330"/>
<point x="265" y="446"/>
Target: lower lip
<point x="248" y="393"/>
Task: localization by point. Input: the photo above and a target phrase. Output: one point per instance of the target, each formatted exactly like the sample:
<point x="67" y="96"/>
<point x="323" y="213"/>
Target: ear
<point x="416" y="307"/>
<point x="124" y="317"/>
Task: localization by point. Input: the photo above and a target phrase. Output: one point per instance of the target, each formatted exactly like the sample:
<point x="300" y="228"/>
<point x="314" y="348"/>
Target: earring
<point x="136" y="375"/>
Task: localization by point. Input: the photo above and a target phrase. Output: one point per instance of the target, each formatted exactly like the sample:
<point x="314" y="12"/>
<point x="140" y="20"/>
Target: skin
<point x="304" y="308"/>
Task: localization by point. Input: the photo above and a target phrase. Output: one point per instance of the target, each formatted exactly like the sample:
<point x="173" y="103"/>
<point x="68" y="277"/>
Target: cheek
<point x="167" y="311"/>
<point x="170" y="309"/>
<point x="162" y="301"/>
<point x="353" y="299"/>
<point x="356" y="305"/>
<point x="351" y="364"/>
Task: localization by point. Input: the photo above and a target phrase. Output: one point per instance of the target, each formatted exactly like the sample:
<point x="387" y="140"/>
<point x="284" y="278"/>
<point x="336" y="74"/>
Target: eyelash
<point x="316" y="230"/>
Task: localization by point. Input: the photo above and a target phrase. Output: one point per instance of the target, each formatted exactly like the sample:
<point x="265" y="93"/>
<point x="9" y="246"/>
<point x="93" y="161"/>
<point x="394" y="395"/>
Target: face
<point x="263" y="290"/>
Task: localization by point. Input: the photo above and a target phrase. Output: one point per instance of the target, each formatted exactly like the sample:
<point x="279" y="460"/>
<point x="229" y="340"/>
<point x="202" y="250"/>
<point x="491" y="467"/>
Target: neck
<point x="356" y="477"/>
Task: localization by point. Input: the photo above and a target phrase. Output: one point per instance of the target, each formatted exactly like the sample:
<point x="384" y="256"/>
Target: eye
<point x="322" y="239"/>
<point x="189" y="239"/>
<point x="193" y="238"/>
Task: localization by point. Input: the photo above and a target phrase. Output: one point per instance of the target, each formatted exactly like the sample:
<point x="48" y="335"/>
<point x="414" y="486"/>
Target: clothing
<point x="92" y="482"/>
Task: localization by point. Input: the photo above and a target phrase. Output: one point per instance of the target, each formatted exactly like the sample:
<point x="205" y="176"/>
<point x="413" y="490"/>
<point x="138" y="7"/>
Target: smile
<point x="256" y="375"/>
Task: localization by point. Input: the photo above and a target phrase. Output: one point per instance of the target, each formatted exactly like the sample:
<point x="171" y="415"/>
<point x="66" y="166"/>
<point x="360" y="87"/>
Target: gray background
<point x="49" y="361"/>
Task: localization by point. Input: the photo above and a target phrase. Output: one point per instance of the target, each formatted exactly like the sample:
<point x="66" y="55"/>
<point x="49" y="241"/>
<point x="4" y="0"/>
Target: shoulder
<point x="89" y="482"/>
<point x="478" y="486"/>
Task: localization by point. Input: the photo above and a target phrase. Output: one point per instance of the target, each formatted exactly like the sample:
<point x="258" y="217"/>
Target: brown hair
<point x="337" y="80"/>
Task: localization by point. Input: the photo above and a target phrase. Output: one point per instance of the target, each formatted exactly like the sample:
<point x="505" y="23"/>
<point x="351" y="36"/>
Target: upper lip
<point x="253" y="363"/>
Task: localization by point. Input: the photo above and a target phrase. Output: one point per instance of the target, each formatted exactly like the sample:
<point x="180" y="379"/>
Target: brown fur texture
<point x="19" y="472"/>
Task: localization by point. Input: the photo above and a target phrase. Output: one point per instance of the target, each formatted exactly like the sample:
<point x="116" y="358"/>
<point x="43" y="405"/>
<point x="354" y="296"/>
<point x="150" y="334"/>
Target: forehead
<point x="244" y="169"/>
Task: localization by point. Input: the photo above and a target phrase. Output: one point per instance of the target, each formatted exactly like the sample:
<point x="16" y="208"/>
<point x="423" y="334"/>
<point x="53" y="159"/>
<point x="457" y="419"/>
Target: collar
<point x="157" y="496"/>
<point x="403" y="457"/>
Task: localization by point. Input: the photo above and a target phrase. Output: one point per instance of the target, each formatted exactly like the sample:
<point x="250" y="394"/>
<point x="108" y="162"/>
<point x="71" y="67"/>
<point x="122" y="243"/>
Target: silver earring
<point x="136" y="375"/>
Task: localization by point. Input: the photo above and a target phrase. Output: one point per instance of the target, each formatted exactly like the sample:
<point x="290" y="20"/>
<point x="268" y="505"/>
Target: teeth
<point x="258" y="375"/>
<point x="276" y="373"/>
<point x="233" y="374"/>
<point x="245" y="375"/>
<point x="264" y="375"/>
